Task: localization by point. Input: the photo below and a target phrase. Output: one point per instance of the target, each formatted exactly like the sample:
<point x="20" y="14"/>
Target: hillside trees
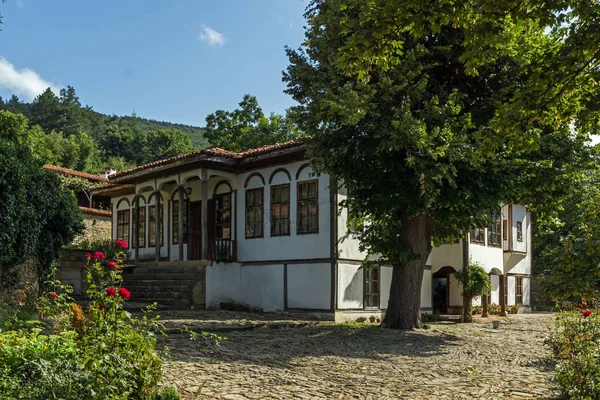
<point x="429" y="135"/>
<point x="247" y="127"/>
<point x="63" y="132"/>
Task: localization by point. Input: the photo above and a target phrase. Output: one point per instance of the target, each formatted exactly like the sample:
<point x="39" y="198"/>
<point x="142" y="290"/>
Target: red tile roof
<point x="71" y="172"/>
<point x="95" y="211"/>
<point x="214" y="151"/>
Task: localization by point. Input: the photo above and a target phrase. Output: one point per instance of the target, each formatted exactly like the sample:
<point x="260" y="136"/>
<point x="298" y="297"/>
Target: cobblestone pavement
<point x="448" y="361"/>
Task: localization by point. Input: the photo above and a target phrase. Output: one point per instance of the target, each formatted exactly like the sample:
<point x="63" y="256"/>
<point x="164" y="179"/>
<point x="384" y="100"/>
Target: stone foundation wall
<point x="71" y="270"/>
<point x="96" y="228"/>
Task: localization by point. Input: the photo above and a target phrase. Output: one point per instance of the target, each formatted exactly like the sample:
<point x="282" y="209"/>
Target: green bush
<point x="166" y="393"/>
<point x="102" y="352"/>
<point x="575" y="343"/>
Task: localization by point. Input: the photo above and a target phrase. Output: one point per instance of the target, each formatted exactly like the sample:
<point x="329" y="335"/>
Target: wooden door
<point x="195" y="224"/>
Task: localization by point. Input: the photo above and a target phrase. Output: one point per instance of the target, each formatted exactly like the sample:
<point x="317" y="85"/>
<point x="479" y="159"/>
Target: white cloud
<point x="211" y="37"/>
<point x="20" y="3"/>
<point x="22" y="82"/>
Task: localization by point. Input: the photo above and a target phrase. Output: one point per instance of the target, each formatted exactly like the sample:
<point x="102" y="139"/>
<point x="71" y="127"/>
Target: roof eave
<point x="143" y="174"/>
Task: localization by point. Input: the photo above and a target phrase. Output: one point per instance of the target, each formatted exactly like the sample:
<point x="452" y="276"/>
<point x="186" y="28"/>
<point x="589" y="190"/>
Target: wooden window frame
<point x="472" y="236"/>
<point x="368" y="281"/>
<point x="142" y="227"/>
<point x="519" y="290"/>
<point x="253" y="209"/>
<point x="217" y="198"/>
<point x="152" y="223"/>
<point x="519" y="231"/>
<point x="505" y="229"/>
<point x="272" y="204"/>
<point x="495" y="232"/>
<point x="123" y="227"/>
<point x="175" y="221"/>
<point x="299" y="200"/>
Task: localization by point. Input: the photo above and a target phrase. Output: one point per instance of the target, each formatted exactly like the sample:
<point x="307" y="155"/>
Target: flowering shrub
<point x="494" y="309"/>
<point x="477" y="309"/>
<point x="97" y="352"/>
<point x="575" y="344"/>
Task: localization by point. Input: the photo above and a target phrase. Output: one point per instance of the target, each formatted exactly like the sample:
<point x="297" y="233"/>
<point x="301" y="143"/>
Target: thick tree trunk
<point x="467" y="314"/>
<point x="404" y="305"/>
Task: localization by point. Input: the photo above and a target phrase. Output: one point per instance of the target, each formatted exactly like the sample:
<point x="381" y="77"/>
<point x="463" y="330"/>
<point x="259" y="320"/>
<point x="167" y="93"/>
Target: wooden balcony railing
<point x="222" y="250"/>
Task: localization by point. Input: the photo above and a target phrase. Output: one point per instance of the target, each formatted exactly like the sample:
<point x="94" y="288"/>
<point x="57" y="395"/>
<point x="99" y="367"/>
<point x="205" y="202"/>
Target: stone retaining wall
<point x="97" y="227"/>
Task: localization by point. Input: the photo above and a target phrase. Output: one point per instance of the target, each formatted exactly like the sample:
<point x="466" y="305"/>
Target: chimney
<point x="108" y="172"/>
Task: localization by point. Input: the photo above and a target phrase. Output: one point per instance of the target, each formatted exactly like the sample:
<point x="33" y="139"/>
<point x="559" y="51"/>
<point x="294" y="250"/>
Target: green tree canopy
<point x="37" y="213"/>
<point x="247" y="127"/>
<point x="566" y="244"/>
<point x="416" y="139"/>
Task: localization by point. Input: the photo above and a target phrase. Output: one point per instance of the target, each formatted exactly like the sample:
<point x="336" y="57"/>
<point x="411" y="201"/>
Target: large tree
<point x="426" y="111"/>
<point x="247" y="127"/>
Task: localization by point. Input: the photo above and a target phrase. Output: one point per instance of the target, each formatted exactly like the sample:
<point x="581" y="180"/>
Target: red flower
<point x="564" y="307"/>
<point x="88" y="256"/>
<point x="54" y="295"/>
<point x="113" y="265"/>
<point x="99" y="255"/>
<point x="586" y="313"/>
<point x="124" y="293"/>
<point x="121" y="243"/>
<point x="110" y="291"/>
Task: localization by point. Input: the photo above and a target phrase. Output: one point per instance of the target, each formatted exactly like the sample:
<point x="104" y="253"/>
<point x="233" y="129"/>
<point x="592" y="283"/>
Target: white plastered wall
<point x="455" y="289"/>
<point x="426" y="290"/>
<point x="257" y="285"/>
<point x="309" y="286"/>
<point x="294" y="246"/>
<point x="347" y="244"/>
<point x="350" y="286"/>
<point x="495" y="294"/>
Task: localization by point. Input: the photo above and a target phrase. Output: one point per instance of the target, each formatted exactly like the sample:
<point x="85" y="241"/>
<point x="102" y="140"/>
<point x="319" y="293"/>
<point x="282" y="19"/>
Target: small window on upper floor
<point x="519" y="231"/>
<point x="478" y="236"/>
<point x="254" y="213"/>
<point x="307" y="220"/>
<point x="280" y="210"/>
<point x="494" y="232"/>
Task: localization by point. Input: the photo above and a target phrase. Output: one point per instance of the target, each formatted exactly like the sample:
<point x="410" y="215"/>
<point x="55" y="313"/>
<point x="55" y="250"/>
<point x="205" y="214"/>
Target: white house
<point x="261" y="229"/>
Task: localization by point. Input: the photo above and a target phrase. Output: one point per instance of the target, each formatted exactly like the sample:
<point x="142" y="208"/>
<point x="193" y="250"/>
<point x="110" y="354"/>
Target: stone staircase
<point x="172" y="285"/>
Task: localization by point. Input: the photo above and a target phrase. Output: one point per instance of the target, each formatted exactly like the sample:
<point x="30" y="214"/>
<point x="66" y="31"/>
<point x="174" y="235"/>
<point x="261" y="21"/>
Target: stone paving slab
<point x="448" y="361"/>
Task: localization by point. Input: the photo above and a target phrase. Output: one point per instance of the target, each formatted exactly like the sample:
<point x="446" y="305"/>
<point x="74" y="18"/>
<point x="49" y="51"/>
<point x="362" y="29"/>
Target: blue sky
<point x="167" y="60"/>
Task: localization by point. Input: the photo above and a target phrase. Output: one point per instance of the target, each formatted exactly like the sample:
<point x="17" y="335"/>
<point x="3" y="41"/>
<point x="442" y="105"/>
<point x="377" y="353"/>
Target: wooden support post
<point x="136" y="227"/>
<point x="157" y="226"/>
<point x="484" y="304"/>
<point x="180" y="231"/>
<point x="503" y="295"/>
<point x="204" y="179"/>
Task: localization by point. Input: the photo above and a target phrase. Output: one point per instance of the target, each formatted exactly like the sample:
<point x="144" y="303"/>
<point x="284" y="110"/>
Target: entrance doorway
<point x="440" y="294"/>
<point x="195" y="224"/>
<point x="441" y="289"/>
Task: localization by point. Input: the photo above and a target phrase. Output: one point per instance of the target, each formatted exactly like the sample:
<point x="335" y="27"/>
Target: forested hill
<point x="195" y="133"/>
<point x="63" y="132"/>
